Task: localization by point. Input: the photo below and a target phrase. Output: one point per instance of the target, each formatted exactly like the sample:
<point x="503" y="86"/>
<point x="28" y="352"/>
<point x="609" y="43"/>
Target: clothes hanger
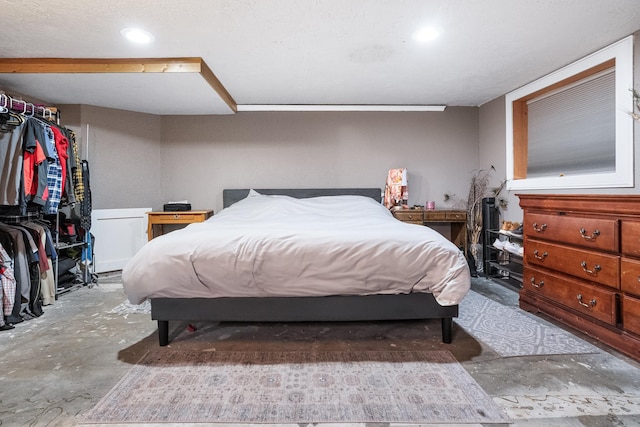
<point x="3" y="105"/>
<point x="28" y="109"/>
<point x="31" y="112"/>
<point x="9" y="120"/>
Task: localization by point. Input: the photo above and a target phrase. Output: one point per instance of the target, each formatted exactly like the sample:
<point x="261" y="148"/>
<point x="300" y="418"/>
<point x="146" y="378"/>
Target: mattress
<point x="279" y="246"/>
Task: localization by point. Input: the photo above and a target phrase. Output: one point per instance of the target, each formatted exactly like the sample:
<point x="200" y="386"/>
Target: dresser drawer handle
<point x="538" y="256"/>
<point x="593" y="236"/>
<point x="176" y="216"/>
<point x="595" y="270"/>
<point x="539" y="229"/>
<point x="537" y="285"/>
<point x="591" y="303"/>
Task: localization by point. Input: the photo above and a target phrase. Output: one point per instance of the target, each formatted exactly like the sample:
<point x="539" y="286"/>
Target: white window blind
<point x="573" y="130"/>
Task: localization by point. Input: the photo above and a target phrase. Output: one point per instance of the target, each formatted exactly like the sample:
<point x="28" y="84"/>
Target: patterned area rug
<point x="511" y="332"/>
<point x="297" y="387"/>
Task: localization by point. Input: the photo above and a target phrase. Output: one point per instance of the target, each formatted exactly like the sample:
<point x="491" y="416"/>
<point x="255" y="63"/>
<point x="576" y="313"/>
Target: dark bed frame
<point x="302" y="309"/>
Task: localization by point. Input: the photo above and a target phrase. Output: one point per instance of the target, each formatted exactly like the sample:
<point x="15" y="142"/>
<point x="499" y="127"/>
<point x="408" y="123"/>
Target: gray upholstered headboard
<point x="229" y="197"/>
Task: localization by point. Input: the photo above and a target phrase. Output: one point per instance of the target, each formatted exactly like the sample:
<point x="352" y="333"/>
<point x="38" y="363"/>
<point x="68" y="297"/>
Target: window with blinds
<point x="572" y="128"/>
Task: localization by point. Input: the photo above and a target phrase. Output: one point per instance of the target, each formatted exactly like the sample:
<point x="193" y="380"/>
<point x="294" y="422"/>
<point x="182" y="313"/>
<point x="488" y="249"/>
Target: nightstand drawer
<point x="456" y="216"/>
<point x="585" y="298"/>
<point x="435" y="216"/>
<point x="588" y="232"/>
<point x="410" y="216"/>
<point x="175" y="217"/>
<point x="594" y="266"/>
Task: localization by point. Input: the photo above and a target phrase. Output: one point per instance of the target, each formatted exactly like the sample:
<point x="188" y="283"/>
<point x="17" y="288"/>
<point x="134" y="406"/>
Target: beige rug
<point x="297" y="387"/>
<point x="512" y="332"/>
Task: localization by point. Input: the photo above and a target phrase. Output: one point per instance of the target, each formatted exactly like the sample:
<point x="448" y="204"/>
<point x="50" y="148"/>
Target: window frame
<point x="620" y="55"/>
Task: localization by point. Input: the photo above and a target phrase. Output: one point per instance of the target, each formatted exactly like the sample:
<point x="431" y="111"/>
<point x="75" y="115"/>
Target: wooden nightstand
<point x="457" y="220"/>
<point x="183" y="217"/>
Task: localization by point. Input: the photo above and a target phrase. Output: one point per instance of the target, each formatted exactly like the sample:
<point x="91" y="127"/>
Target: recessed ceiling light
<point x="137" y="35"/>
<point x="426" y="34"/>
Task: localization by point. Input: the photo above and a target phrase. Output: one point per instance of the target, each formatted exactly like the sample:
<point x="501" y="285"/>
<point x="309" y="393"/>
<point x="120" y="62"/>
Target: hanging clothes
<point x="54" y="173"/>
<point x="7" y="288"/>
<point x="69" y="194"/>
<point x="21" y="273"/>
<point x="78" y="183"/>
<point x="62" y="147"/>
<point x="30" y="263"/>
<point x="40" y="165"/>
<point x="12" y="128"/>
<point x="396" y="191"/>
<point x="46" y="285"/>
<point x="35" y="163"/>
<point x="85" y="217"/>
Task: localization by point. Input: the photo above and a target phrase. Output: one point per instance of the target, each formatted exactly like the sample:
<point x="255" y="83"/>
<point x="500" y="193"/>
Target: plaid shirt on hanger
<point x="54" y="175"/>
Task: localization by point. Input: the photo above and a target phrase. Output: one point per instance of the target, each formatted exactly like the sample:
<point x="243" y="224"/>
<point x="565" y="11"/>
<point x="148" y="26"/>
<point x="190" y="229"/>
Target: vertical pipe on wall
<point x="87" y="145"/>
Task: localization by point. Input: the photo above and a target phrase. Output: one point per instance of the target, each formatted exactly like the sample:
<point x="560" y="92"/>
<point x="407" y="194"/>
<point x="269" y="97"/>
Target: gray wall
<point x="141" y="160"/>
<point x="124" y="153"/>
<point x="202" y="155"/>
<point x="492" y="143"/>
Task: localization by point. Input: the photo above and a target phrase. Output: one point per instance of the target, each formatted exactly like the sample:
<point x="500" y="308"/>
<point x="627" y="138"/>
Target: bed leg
<point x="163" y="332"/>
<point x="447" y="329"/>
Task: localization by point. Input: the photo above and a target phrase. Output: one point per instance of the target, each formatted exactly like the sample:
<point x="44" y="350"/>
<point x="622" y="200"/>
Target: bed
<point x="274" y="255"/>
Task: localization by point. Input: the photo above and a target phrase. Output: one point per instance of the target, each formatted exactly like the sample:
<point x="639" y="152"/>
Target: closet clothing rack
<point x="50" y="116"/>
<point x="87" y="274"/>
<point x="9" y="103"/>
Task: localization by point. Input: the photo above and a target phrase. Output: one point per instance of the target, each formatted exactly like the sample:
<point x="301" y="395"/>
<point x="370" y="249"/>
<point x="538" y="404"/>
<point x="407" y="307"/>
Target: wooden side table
<point x="182" y="217"/>
<point x="457" y="220"/>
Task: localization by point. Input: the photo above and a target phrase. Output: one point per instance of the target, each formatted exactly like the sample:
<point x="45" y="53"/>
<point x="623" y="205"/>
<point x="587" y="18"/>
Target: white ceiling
<point x="306" y="51"/>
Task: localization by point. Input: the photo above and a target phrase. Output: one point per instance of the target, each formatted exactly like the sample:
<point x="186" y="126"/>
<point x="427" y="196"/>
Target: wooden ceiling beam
<point x="100" y="65"/>
<point x="213" y="81"/>
<point x="118" y="65"/>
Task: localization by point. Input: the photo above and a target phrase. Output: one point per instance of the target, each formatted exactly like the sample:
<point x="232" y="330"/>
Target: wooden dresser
<point x="582" y="264"/>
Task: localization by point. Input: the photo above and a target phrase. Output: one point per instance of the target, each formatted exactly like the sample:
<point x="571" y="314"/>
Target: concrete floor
<point x="60" y="365"/>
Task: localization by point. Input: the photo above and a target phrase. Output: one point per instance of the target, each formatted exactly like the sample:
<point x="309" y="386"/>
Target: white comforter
<point x="281" y="246"/>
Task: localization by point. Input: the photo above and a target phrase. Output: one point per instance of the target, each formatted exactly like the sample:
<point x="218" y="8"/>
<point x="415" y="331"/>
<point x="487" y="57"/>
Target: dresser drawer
<point x="410" y="216"/>
<point x="582" y="297"/>
<point x="630" y="244"/>
<point x="594" y="266"/>
<point x="631" y="314"/>
<point x="630" y="276"/>
<point x="595" y="233"/>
